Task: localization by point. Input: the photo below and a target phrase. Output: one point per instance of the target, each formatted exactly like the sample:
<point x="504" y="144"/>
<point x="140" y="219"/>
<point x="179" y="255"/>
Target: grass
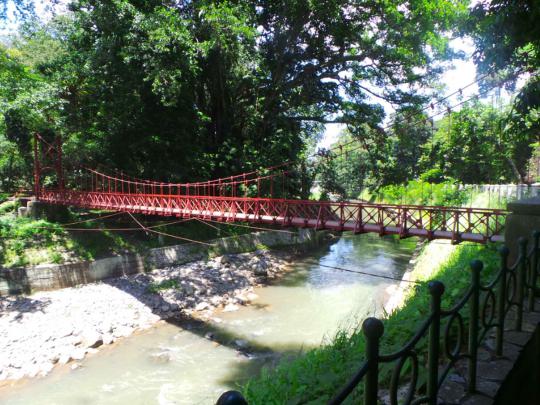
<point x="317" y="374"/>
<point x="163" y="285"/>
<point x="418" y="192"/>
<point x="27" y="241"/>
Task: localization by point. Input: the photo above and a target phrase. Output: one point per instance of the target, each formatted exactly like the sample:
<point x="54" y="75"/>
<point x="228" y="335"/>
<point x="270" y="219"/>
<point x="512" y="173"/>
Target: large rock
<point x="201" y="306"/>
<point x="91" y="338"/>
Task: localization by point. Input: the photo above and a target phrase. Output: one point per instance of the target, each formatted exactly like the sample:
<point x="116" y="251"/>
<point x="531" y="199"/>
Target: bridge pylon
<point x="47" y="158"/>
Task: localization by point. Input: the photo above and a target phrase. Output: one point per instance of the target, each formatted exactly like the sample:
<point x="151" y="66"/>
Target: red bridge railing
<point x="257" y="196"/>
<point x="431" y="222"/>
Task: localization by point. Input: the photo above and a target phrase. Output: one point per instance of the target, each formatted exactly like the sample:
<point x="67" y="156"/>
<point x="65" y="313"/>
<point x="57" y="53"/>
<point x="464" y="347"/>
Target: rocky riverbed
<point x="46" y="329"/>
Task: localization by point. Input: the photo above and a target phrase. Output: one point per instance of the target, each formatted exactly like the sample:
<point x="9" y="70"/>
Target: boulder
<point x="201" y="306"/>
<point x="107" y="338"/>
<point x="91" y="338"/>
<point x="122" y="331"/>
<point x="161" y="357"/>
<point x="230" y="308"/>
<point x="78" y="354"/>
<point x="241" y="343"/>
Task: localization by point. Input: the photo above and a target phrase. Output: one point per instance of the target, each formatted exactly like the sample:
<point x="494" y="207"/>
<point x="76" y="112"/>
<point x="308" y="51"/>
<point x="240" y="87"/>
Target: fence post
<point x="436" y="289"/>
<point x="521" y="274"/>
<point x="373" y="329"/>
<point x="476" y="268"/>
<point x="533" y="274"/>
<point x="501" y="303"/>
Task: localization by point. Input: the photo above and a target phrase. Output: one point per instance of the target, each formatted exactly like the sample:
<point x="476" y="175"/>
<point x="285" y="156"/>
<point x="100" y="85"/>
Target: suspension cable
<point x="366" y="273"/>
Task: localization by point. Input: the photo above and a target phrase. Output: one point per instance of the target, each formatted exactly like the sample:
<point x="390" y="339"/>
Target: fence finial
<point x="477" y="265"/>
<point x="436" y="288"/>
<point x="504" y="252"/>
<point x="522" y="241"/>
<point x="373" y="328"/>
<point x="231" y="398"/>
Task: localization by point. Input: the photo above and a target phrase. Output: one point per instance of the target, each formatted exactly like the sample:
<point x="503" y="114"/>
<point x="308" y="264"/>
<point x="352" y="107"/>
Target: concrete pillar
<point x="523" y="220"/>
<point x="50" y="212"/>
<point x="22" y="211"/>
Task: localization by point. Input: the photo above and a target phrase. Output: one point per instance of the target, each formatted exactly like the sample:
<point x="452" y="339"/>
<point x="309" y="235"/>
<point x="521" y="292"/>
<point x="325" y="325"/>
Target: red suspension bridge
<point x="256" y="198"/>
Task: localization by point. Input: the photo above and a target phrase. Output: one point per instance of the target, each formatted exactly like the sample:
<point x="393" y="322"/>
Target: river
<point x="185" y="364"/>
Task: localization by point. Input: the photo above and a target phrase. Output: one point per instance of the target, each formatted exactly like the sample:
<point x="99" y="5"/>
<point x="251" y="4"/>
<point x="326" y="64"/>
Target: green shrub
<point x="418" y="192"/>
<point x="434" y="175"/>
<point x="8" y="206"/>
<point x="163" y="285"/>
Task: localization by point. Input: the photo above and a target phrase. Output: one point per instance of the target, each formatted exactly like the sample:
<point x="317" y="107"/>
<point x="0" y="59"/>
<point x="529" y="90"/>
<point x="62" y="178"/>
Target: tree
<point x="507" y="37"/>
<point x="21" y="9"/>
<point x="506" y="34"/>
<point x="194" y="90"/>
<point x="23" y="99"/>
<point x="409" y="147"/>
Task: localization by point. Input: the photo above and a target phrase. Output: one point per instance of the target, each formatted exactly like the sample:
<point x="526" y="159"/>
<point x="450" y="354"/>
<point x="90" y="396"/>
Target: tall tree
<point x="191" y="90"/>
<point x="507" y="37"/>
<point x="506" y="34"/>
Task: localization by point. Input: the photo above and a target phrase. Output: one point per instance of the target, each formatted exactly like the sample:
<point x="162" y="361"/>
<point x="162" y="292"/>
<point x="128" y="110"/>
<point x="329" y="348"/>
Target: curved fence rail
<point x="453" y="334"/>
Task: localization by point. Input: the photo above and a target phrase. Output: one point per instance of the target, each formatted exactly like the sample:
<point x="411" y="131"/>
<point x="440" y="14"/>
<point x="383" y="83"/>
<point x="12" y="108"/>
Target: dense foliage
<point x="483" y="142"/>
<point x="191" y="90"/>
<point x="507" y="37"/>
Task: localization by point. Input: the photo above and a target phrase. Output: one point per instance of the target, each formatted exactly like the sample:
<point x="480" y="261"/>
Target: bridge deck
<point x="453" y="223"/>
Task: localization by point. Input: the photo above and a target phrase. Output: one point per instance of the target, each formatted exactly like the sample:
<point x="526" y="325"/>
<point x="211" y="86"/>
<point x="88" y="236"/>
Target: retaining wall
<point x="509" y="192"/>
<point x="55" y="276"/>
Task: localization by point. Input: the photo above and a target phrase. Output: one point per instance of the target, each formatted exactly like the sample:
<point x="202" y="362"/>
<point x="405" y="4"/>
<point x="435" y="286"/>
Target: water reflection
<point x="178" y="365"/>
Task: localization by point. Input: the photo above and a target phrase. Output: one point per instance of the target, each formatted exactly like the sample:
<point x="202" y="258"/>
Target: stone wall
<point x="55" y="276"/>
<point x="521" y="386"/>
<point x="523" y="220"/>
<point x="180" y="254"/>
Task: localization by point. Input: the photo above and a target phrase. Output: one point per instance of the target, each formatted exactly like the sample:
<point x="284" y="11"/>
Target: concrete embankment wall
<point x="55" y="276"/>
<point x="510" y="192"/>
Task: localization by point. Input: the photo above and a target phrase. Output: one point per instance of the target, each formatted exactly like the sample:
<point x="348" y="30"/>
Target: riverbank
<point x="52" y="328"/>
<point x="319" y="373"/>
<point x="190" y="362"/>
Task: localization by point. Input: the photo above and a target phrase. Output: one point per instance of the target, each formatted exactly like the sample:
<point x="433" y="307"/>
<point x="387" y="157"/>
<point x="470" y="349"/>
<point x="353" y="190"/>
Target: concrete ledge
<point x="55" y="276"/>
<point x="523" y="220"/>
<point x="501" y="380"/>
<point x="180" y="254"/>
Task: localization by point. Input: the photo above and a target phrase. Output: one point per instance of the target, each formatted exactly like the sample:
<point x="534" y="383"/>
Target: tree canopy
<point x="199" y="89"/>
<point x="194" y="90"/>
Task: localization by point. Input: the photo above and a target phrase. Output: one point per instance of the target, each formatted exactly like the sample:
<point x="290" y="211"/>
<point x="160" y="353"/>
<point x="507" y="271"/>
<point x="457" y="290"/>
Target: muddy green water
<point x="173" y="364"/>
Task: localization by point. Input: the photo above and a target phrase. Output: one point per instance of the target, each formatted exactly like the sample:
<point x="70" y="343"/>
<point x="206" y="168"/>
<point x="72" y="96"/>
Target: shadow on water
<point x="228" y="353"/>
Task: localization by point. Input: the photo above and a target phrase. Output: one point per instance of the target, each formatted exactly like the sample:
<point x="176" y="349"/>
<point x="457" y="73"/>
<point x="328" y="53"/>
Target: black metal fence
<point x="487" y="307"/>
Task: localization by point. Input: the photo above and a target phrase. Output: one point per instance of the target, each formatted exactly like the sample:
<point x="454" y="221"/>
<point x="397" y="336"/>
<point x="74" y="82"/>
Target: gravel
<point x="40" y="331"/>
